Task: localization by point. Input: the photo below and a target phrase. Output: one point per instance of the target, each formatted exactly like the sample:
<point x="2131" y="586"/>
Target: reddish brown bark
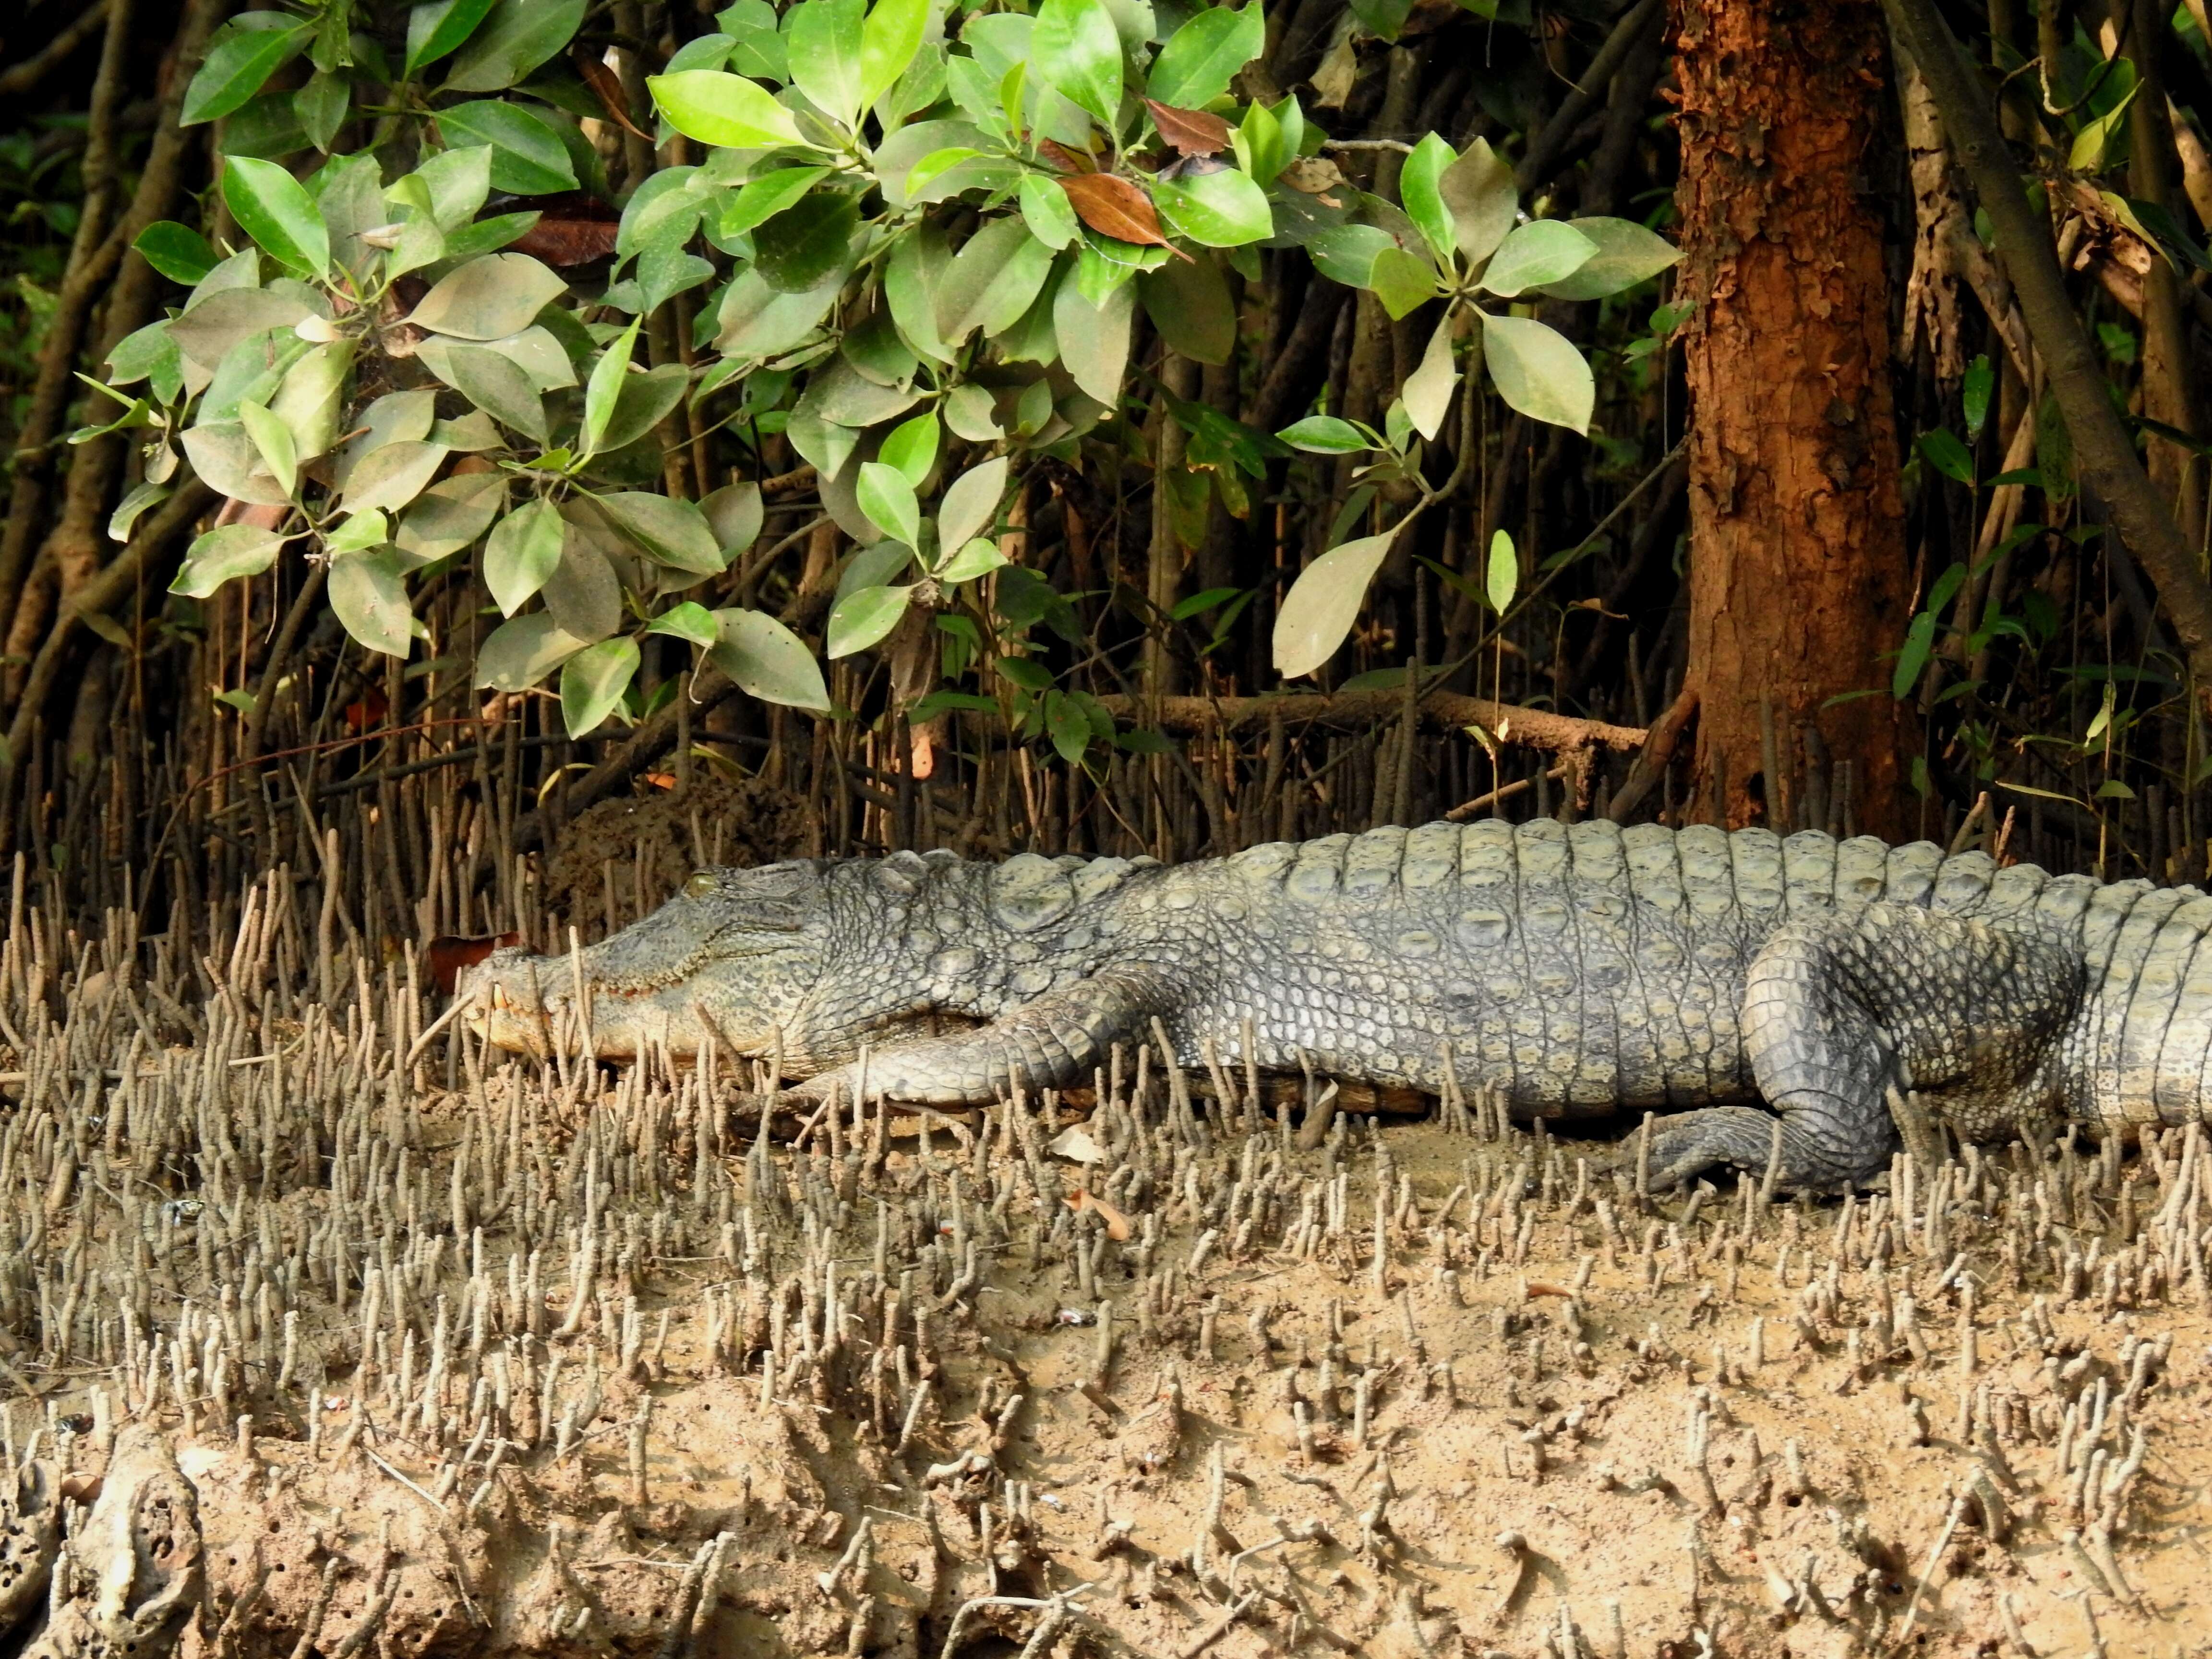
<point x="1798" y="576"/>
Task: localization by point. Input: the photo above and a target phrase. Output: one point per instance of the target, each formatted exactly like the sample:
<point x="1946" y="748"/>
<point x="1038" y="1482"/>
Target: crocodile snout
<point x="508" y="1006"/>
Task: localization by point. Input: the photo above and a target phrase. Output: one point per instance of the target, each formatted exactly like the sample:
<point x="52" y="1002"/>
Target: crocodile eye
<point x="702" y="884"/>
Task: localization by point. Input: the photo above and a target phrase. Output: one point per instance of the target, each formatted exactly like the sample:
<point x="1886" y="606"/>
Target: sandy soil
<point x="552" y="1365"/>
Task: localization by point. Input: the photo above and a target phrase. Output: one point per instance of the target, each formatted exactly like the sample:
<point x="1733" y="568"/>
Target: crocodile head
<point x="734" y="958"/>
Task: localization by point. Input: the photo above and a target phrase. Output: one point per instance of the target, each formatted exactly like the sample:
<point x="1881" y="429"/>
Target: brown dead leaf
<point x="1066" y="160"/>
<point x="607" y="85"/>
<point x="1117" y="207"/>
<point x="1117" y="1224"/>
<point x="1192" y="131"/>
<point x="450" y="956"/>
<point x="1312" y="174"/>
<point x="574" y="228"/>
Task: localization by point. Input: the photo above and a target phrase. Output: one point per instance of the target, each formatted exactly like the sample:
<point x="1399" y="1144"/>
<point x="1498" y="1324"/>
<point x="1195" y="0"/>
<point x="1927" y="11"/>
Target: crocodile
<point x="1732" y="981"/>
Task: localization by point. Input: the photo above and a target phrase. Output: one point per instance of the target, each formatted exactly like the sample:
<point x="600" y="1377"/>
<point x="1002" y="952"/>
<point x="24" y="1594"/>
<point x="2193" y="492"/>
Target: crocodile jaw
<point x="729" y="962"/>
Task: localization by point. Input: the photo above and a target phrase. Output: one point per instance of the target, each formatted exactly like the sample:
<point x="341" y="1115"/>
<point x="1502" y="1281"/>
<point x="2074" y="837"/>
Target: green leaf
<point x="1077" y="52"/>
<point x="277" y="213"/>
<point x="180" y="253"/>
<point x="1188" y="303"/>
<point x="273" y="440"/>
<point x="592" y="683"/>
<point x="826" y="41"/>
<point x="735" y="513"/>
<point x="223" y="555"/>
<point x="1403" y="281"/>
<point x="321" y="108"/>
<point x="605" y="386"/>
<point x="2095" y="137"/>
<point x="1260" y="150"/>
<point x="495" y="384"/>
<point x="1031" y="677"/>
<point x="687" y="620"/>
<point x="1501" y="576"/>
<point x="241" y="57"/>
<point x="527" y="156"/>
<point x="993" y="280"/>
<point x="1048" y="212"/>
<point x="754" y="320"/>
<point x="127" y="511"/>
<point x="489" y="298"/>
<point x="368" y="591"/>
<point x="643" y="402"/>
<point x="1478" y="190"/>
<point x="767" y="196"/>
<point x="1547" y="250"/>
<point x="720" y="108"/>
<point x="973" y="413"/>
<point x="1325" y="434"/>
<point x="1627" y="254"/>
<point x="976" y="557"/>
<point x="515" y="39"/>
<point x="888" y="499"/>
<point x="451" y="513"/>
<point x="800" y="246"/>
<point x="1428" y="390"/>
<point x="1067" y="723"/>
<point x="863" y="616"/>
<point x="888" y="40"/>
<point x="1980" y="382"/>
<point x="1538" y="371"/>
<point x="668" y="532"/>
<point x="519" y="653"/>
<point x="437" y="29"/>
<point x="912" y="277"/>
<point x="934" y="166"/>
<point x="1324" y="602"/>
<point x="456" y="181"/>
<point x="1094" y="340"/>
<point x="392" y="476"/>
<point x="1223" y="209"/>
<point x="1919" y="646"/>
<point x="972" y="502"/>
<point x="521" y="553"/>
<point x="1943" y="452"/>
<point x="1201" y="57"/>
<point x="1347" y="253"/>
<point x="1420" y="187"/>
<point x="663" y="211"/>
<point x="911" y="448"/>
<point x="767" y="660"/>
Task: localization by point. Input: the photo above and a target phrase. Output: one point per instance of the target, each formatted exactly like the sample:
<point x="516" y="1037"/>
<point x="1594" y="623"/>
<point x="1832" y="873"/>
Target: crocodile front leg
<point x="1837" y="1009"/>
<point x="1052" y="1041"/>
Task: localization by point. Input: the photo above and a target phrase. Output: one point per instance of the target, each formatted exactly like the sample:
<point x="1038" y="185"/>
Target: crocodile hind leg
<point x="1051" y="1041"/>
<point x="1838" y="1010"/>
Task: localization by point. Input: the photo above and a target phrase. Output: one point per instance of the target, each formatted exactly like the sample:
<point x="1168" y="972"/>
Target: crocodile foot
<point x="30" y="1537"/>
<point x="134" y="1571"/>
<point x="1688" y="1143"/>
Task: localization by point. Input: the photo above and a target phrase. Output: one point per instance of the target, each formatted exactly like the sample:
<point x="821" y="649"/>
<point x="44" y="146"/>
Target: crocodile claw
<point x="1686" y="1144"/>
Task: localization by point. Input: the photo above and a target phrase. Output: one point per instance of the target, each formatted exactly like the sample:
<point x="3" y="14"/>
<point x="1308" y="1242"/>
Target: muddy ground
<point x="321" y="1342"/>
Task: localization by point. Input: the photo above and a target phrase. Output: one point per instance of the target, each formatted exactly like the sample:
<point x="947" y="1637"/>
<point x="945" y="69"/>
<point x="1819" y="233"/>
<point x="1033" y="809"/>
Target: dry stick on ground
<point x="2104" y="455"/>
